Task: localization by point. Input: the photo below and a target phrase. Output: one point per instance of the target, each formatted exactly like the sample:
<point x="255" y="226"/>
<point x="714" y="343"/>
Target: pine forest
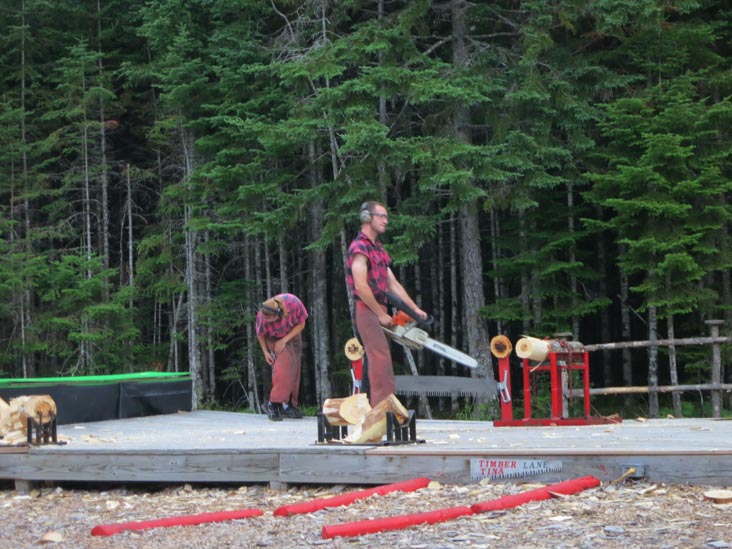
<point x="549" y="166"/>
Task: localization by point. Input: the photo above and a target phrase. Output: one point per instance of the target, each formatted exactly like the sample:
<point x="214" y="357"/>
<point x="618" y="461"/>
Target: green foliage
<point x="478" y="411"/>
<point x="591" y="138"/>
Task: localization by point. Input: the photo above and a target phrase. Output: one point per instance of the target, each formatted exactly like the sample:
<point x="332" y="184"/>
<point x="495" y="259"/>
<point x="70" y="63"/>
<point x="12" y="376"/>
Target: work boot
<point x="272" y="409"/>
<point x="291" y="412"/>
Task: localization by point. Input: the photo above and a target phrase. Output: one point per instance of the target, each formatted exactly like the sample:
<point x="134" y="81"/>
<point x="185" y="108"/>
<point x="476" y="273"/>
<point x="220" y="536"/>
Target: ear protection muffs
<point x="365" y="215"/>
<point x="272" y="310"/>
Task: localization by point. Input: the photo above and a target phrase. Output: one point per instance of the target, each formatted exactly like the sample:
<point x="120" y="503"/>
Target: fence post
<point x="716" y="368"/>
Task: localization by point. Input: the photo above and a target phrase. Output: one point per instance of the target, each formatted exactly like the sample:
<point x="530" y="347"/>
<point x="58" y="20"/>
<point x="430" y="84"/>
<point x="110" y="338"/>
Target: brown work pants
<point x="378" y="354"/>
<point x="286" y="371"/>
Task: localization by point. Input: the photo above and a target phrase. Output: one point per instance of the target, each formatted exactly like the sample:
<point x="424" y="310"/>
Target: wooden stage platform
<point x="221" y="447"/>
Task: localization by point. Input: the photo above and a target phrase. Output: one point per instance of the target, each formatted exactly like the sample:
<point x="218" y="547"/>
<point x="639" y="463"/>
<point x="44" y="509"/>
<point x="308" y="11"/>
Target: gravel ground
<point x="627" y="515"/>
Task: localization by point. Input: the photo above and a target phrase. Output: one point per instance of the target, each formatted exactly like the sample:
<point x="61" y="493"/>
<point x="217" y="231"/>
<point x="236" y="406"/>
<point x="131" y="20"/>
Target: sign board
<point x="506" y="467"/>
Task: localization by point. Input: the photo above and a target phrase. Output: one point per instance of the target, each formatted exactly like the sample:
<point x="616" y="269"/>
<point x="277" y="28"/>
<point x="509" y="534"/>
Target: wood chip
<point x="51" y="537"/>
<point x="719" y="496"/>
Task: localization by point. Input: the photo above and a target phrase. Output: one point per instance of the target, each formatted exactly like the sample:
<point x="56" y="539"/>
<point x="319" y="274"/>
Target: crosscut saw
<point x="406" y="332"/>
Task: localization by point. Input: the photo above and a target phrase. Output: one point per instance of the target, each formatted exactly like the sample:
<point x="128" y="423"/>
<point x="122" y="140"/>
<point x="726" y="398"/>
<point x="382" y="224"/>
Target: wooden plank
<point x="243" y="448"/>
<point x="456" y="469"/>
<point x="145" y="467"/>
<point x="372" y="469"/>
<point x="533" y="450"/>
<point x="13" y="449"/>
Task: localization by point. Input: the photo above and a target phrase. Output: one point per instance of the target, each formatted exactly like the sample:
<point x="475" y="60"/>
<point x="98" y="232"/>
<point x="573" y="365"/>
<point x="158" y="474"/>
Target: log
<point x="346" y="411"/>
<point x="42" y="408"/>
<point x="4" y="418"/>
<point x="719" y="496"/>
<point x="501" y="346"/>
<point x="373" y="426"/>
<point x="532" y="348"/>
<point x="15" y="437"/>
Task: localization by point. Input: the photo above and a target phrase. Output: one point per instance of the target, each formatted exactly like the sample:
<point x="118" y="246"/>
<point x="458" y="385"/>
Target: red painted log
<point x="352" y="529"/>
<point x="186" y="520"/>
<point x="566" y="488"/>
<point x="311" y="506"/>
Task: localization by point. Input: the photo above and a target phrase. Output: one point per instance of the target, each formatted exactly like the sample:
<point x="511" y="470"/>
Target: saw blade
<point x="445" y="386"/>
<point x="415" y="338"/>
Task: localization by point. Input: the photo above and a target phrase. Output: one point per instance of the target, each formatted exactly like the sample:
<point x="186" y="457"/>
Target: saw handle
<point x="403" y="307"/>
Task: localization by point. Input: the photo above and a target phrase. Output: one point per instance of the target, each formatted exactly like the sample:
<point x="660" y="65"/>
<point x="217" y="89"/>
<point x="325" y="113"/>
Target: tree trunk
<point x="602" y="267"/>
<point x="525" y="281"/>
<point x="572" y="258"/>
<point x="130" y="239"/>
<point x="478" y="339"/>
<point x="495" y="257"/>
<point x="437" y="273"/>
<point x="455" y="321"/>
<point x="319" y="291"/>
<point x="252" y="385"/>
<point x="26" y="298"/>
<point x="104" y="169"/>
<point x="454" y="302"/>
<point x="267" y="271"/>
<point x="86" y="360"/>
<point x="383" y="119"/>
<point x="672" y="367"/>
<point x="625" y="331"/>
<point x="191" y="256"/>
<point x="192" y="309"/>
<point x="726" y="291"/>
<point x="284" y="276"/>
<point x="211" y="362"/>
<point x="653" y="362"/>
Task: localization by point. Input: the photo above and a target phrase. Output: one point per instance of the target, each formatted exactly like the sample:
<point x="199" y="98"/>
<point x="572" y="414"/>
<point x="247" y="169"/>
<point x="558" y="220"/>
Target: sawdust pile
<point x="624" y="515"/>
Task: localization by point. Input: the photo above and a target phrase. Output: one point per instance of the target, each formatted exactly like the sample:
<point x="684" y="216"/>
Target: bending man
<point x="280" y="322"/>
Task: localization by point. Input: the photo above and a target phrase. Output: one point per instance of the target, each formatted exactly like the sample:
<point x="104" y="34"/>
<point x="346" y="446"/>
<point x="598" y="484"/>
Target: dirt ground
<point x="627" y="514"/>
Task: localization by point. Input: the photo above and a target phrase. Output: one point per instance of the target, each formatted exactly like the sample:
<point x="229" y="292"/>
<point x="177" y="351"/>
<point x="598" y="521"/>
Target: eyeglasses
<point x="385" y="216"/>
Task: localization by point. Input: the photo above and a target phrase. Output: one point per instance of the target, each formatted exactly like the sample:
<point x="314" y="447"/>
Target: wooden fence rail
<point x="716" y="387"/>
<point x="659" y="342"/>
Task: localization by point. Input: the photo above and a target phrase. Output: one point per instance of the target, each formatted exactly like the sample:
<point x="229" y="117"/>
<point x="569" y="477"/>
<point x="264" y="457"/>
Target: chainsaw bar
<point x="445" y="386"/>
<point x="415" y="338"/>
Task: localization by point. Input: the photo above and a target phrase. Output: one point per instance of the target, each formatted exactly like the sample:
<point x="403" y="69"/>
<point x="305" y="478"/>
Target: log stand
<point x="328" y="432"/>
<point x="396" y="433"/>
<point x="405" y="433"/>
<point x="45" y="430"/>
<point x="558" y="358"/>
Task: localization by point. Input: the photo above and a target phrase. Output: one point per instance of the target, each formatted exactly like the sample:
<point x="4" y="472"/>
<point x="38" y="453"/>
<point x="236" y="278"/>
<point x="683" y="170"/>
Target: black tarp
<point x="82" y="403"/>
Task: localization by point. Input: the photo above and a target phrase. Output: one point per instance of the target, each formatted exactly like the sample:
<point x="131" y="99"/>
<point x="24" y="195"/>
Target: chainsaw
<point x="406" y="332"/>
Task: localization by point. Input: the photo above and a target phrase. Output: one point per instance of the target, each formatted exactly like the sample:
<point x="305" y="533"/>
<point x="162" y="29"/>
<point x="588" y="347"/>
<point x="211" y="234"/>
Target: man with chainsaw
<point x="279" y="325"/>
<point x="369" y="277"/>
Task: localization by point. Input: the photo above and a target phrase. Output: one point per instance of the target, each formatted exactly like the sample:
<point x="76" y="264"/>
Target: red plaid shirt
<point x="295" y="313"/>
<point x="379" y="263"/>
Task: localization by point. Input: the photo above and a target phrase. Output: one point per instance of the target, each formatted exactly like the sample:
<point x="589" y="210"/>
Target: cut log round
<point x="4" y="418"/>
<point x="719" y="496"/>
<point x="532" y="348"/>
<point x="501" y="346"/>
<point x="373" y="426"/>
<point x="42" y="408"/>
<point x="346" y="411"/>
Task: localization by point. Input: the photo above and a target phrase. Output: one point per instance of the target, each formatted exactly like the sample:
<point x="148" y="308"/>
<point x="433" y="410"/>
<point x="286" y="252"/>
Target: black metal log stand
<point x="396" y="433"/>
<point x="45" y="432"/>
